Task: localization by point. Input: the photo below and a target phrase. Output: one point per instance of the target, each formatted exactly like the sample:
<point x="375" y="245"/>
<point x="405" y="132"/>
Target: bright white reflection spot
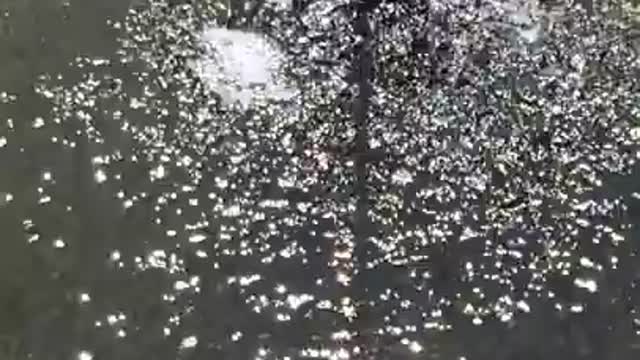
<point x="158" y="173"/>
<point x="115" y="255"/>
<point x="576" y="308"/>
<point x="157" y="259"/>
<point x="189" y="342"/>
<point x="5" y="198"/>
<point x="341" y="335"/>
<point x="586" y="262"/>
<point x="236" y="336"/>
<point x="180" y="285"/>
<point x="196" y="238"/>
<point x="85" y="355"/>
<point x="59" y="243"/>
<point x="506" y="317"/>
<point x="402" y="177"/>
<point x="588" y="284"/>
<point x="295" y="301"/>
<point x="325" y="353"/>
<point x="343" y="278"/>
<point x="33" y="238"/>
<point x="221" y="183"/>
<point x="245" y="280"/>
<point x="614" y="261"/>
<point x="84" y="297"/>
<point x="522" y="305"/>
<point x="38" y="123"/>
<point x="201" y="254"/>
<point x="231" y="211"/>
<point x="99" y="176"/>
<point x="415" y="347"/>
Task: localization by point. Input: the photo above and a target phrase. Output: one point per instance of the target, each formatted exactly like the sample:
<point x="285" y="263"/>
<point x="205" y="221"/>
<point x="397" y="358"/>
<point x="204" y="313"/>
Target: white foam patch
<point x="241" y="66"/>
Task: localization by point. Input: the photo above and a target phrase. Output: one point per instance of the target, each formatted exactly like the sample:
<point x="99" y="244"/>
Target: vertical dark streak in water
<point x="363" y="76"/>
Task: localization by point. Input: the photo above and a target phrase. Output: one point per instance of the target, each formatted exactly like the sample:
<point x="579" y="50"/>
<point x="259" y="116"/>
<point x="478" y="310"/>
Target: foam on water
<point x="240" y="66"/>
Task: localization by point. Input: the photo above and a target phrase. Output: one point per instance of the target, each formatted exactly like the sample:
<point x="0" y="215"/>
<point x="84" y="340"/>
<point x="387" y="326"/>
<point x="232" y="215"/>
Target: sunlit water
<point x="219" y="211"/>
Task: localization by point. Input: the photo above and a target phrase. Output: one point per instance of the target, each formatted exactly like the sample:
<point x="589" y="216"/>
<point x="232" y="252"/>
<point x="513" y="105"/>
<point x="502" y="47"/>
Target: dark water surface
<point x="432" y="187"/>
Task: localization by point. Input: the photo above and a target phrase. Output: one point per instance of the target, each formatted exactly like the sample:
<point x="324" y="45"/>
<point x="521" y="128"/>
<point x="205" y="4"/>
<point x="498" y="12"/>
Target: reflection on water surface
<point x="318" y="179"/>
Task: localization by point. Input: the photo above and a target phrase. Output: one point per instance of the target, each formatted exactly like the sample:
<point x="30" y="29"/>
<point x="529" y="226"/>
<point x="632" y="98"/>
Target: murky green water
<point x="389" y="206"/>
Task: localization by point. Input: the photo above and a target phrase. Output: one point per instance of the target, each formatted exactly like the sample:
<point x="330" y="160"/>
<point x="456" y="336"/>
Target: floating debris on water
<point x="241" y="66"/>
